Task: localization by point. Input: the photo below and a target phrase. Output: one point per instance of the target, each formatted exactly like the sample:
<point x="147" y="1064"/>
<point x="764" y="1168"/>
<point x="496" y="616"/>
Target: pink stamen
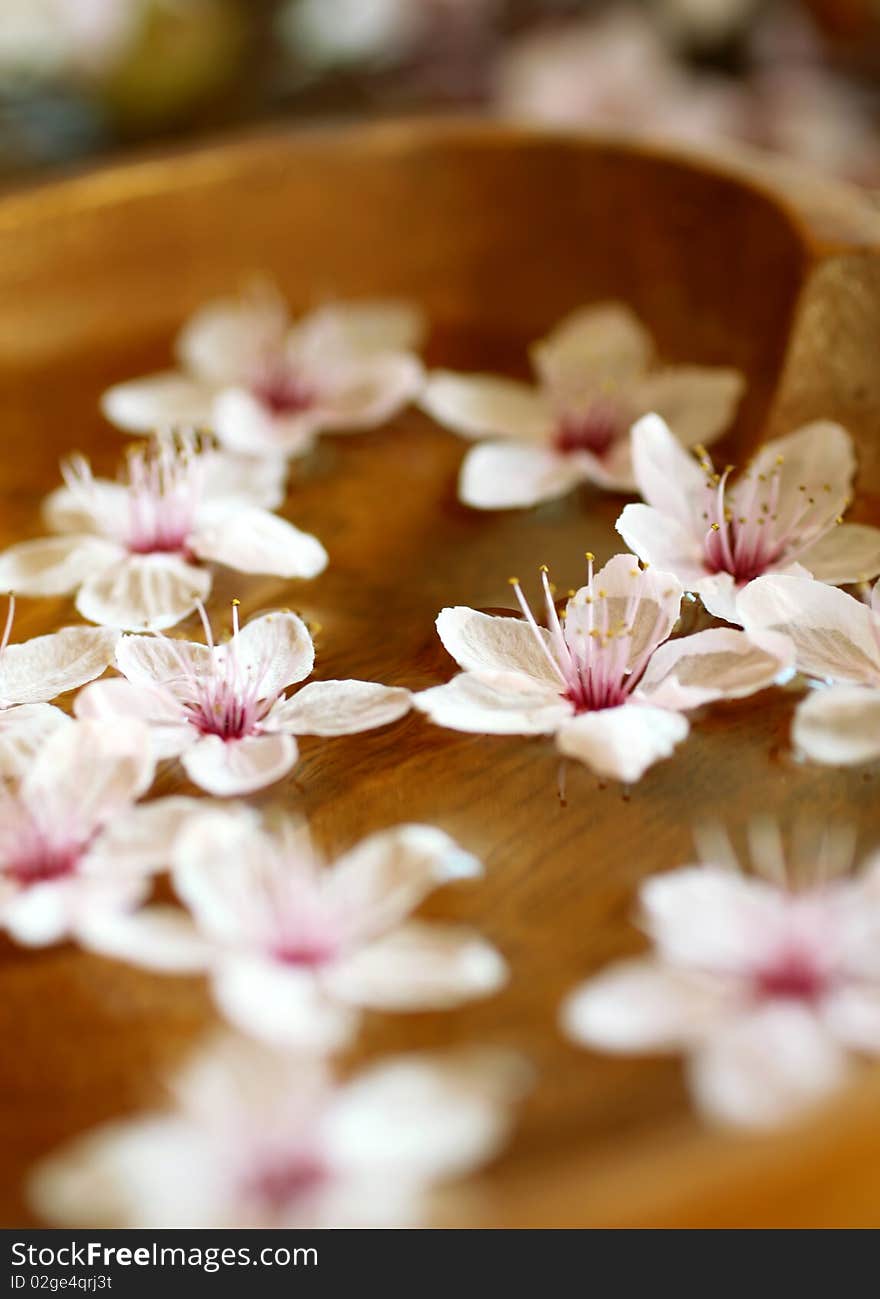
<point x="594" y="428"/>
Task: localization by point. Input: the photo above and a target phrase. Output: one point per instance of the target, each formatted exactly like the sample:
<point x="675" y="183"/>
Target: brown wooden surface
<point x="497" y="233"/>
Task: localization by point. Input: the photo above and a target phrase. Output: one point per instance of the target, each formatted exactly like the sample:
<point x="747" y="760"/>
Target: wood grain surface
<point x="497" y="233"/>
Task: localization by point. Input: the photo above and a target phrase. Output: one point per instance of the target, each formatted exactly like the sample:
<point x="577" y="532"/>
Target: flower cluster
<point x="766" y="983"/>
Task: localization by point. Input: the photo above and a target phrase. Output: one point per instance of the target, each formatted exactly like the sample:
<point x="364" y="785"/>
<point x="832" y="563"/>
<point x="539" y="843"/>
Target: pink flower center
<point x="307" y="952"/>
<point x="280" y="389"/>
<point x="31" y="853"/>
<point x="594" y="429"/>
<point x="591" y="648"/>
<point x="279" y="1185"/>
<point x="746" y="535"/>
<point x="229" y="699"/>
<point x="795" y="975"/>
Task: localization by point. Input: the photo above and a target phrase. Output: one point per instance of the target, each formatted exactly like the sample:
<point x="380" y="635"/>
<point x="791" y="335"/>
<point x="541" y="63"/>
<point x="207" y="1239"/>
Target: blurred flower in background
<point x="79" y="77"/>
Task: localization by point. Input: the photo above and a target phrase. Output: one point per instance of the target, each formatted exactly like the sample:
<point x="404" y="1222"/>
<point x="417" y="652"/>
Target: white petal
<point x="418" y="966"/>
<point x="639" y="1005"/>
<point x="661" y="540"/>
<point x="388" y="874"/>
<point x="103" y="511"/>
<point x="848" y="553"/>
<point x="228" y="767"/>
<point x="23" y="732"/>
<point x="161" y="660"/>
<point x="480" y="642"/>
<point x="711" y="918"/>
<point x="834" y="635"/>
<point x="339" y="708"/>
<point x="143" y="592"/>
<point x="144" y="840"/>
<point x="112" y="700"/>
<point x="42" y="914"/>
<point x="484" y="405"/>
<point x="373" y="327"/>
<point x="37" y="670"/>
<point x="719" y="594"/>
<point x="668" y="476"/>
<point x="622" y="743"/>
<point x="504" y="705"/>
<point x="852" y="1014"/>
<point x="160" y="938"/>
<point x="767" y="1067"/>
<point x="218" y="857"/>
<point x="255" y="541"/>
<point x="274" y="650"/>
<point x="227" y="338"/>
<point x="281" y="1005"/>
<point x="714" y="664"/>
<point x="425" y="1120"/>
<point x="158" y="401"/>
<point x="89" y="772"/>
<point x="839" y="726"/>
<point x="602" y="342"/>
<point x="232" y="482"/>
<point x="54" y="565"/>
<point x="696" y="402"/>
<point x="369" y="393"/>
<point x="243" y="424"/>
<point x="647" y="602"/>
<point x="819" y="456"/>
<point x="509" y="476"/>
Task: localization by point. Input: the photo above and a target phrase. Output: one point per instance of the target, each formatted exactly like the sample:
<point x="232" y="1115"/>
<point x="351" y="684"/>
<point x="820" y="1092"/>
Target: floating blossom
<point x="766" y="984"/>
<point x="598" y="676"/>
<point x="265" y="1140"/>
<point x="783" y="514"/>
<point x="73" y="847"/>
<point x="134" y="551"/>
<point x="37" y="670"/>
<point x="267" y="386"/>
<point x="296" y="949"/>
<point x="836" y="639"/>
<point x="595" y="376"/>
<point x="222" y="708"/>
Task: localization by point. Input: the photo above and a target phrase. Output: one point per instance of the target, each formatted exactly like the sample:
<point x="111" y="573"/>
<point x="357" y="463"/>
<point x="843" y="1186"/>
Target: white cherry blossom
<point x="135" y="551"/>
<point x="222" y="708"/>
<point x="783" y="514"/>
<point x="268" y="385"/>
<point x="73" y="845"/>
<point x="257" y="1139"/>
<point x="599" y="676"/>
<point x="768" y="984"/>
<point x="295" y="949"/>
<point x="595" y="375"/>
<point x="836" y="640"/>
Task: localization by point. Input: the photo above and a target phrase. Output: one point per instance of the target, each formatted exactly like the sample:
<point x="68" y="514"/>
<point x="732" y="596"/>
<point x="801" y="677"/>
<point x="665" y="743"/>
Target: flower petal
<point x="89" y="772"/>
<point x="622" y="743"/>
<point x="387" y="875"/>
<point x="509" y="476"/>
<point x="646" y="602"/>
<point x="662" y="541"/>
<point x="23" y="732"/>
<point x="696" y="402"/>
<point x="819" y="456"/>
<point x="274" y="650"/>
<point x="640" y="1005"/>
<point x="143" y="592"/>
<point x="716" y="664"/>
<point x="848" y="553"/>
<point x="144" y="840"/>
<point x="233" y="482"/>
<point x="166" y="400"/>
<point x="161" y="660"/>
<point x="54" y="565"/>
<point x="485" y="405"/>
<point x="103" y="511"/>
<point x="160" y="938"/>
<point x="767" y="1067"/>
<point x="605" y="342"/>
<point x="839" y="726"/>
<point x="835" y="636"/>
<point x="505" y="705"/>
<point x="227" y="339"/>
<point x="709" y="917"/>
<point x="719" y="594"/>
<point x="480" y="642"/>
<point x="243" y="424"/>
<point x="108" y="701"/>
<point x="668" y="476"/>
<point x="339" y="708"/>
<point x="37" y="670"/>
<point x="372" y="327"/>
<point x="281" y="1005"/>
<point x="369" y="393"/>
<point x="418" y="966"/>
<point x="228" y="767"/>
<point x="254" y="541"/>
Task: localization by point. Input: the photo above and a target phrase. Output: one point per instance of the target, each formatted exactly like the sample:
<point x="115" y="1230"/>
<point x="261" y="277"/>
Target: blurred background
<point x="82" y="78"/>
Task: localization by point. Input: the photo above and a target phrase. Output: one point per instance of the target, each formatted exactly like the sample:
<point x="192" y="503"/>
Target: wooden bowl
<point x="497" y="232"/>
